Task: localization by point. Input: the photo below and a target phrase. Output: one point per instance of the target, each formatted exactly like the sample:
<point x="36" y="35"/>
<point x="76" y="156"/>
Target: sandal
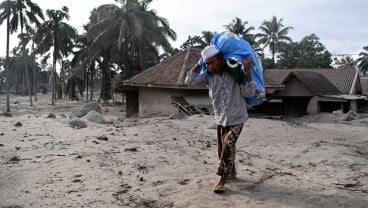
<point x="219" y="189"/>
<point x="231" y="176"/>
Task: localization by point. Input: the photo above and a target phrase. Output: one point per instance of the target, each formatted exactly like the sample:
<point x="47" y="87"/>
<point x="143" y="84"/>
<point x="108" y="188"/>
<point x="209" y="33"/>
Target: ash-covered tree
<point x="56" y="35"/>
<point x="288" y="55"/>
<point x="130" y="35"/>
<point x="273" y="32"/>
<point x="17" y="13"/>
<point x="198" y="41"/>
<point x="346" y="61"/>
<point x="363" y="61"/>
<point x="239" y="27"/>
<point x="313" y="54"/>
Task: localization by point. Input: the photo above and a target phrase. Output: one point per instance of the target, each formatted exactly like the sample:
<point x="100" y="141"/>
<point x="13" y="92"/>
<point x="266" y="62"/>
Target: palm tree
<point x="56" y="34"/>
<point x="363" y="61"/>
<point x="84" y="64"/>
<point x="133" y="29"/>
<point x="240" y="28"/>
<point x="17" y="13"/>
<point x="5" y="14"/>
<point x="130" y="35"/>
<point x="24" y="13"/>
<point x="207" y="36"/>
<point x="198" y="41"/>
<point x="65" y="71"/>
<point x="74" y="82"/>
<point x="274" y="32"/>
<point x="346" y="61"/>
<point x="193" y="42"/>
<point x="25" y="39"/>
<point x="24" y="63"/>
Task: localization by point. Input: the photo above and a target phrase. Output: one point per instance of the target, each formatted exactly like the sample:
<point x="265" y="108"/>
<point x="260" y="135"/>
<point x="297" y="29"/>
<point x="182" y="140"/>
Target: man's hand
<point x="247" y="66"/>
<point x="195" y="68"/>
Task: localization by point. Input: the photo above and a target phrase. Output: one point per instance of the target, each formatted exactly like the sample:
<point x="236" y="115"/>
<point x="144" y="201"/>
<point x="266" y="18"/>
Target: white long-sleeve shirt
<point x="227" y="96"/>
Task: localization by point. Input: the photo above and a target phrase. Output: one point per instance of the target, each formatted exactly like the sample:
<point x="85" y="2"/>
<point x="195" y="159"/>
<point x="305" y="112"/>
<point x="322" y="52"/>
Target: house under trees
<point x="160" y="90"/>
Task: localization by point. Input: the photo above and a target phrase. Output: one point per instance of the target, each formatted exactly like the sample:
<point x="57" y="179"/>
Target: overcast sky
<point x="341" y="25"/>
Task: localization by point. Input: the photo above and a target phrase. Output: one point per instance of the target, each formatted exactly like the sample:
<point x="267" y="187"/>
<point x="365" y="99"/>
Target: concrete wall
<point x="295" y="88"/>
<point x="132" y="104"/>
<point x="156" y="101"/>
<point x="313" y="106"/>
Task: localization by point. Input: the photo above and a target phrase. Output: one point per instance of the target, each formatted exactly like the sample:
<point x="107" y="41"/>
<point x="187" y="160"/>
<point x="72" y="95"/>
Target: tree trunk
<point x="29" y="84"/>
<point x="53" y="81"/>
<point x="92" y="81"/>
<point x="23" y="92"/>
<point x="73" y="95"/>
<point x="141" y="57"/>
<point x="62" y="77"/>
<point x="34" y="74"/>
<point x="273" y="54"/>
<point x="86" y="80"/>
<point x="15" y="84"/>
<point x="92" y="72"/>
<point x="7" y="59"/>
<point x="105" y="93"/>
<point x="34" y="81"/>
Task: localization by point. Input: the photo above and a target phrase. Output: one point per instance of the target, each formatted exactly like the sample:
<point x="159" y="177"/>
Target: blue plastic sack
<point x="236" y="48"/>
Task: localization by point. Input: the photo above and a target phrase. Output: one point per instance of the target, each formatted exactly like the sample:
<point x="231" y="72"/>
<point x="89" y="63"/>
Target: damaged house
<point x="308" y="91"/>
<point x="160" y="90"/>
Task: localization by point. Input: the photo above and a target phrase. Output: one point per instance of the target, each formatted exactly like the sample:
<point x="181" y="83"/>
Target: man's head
<point x="209" y="52"/>
<point x="212" y="58"/>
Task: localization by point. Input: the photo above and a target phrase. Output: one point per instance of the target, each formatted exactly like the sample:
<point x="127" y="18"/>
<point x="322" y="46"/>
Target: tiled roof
<point x="170" y="72"/>
<point x="314" y="81"/>
<point x="274" y="77"/>
<point x="342" y="79"/>
<point x="364" y="84"/>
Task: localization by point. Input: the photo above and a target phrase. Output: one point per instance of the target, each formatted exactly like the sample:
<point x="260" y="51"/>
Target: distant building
<point x="302" y="91"/>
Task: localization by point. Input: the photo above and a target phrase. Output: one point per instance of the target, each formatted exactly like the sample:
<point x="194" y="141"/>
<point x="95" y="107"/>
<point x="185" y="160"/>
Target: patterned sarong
<point x="226" y="140"/>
